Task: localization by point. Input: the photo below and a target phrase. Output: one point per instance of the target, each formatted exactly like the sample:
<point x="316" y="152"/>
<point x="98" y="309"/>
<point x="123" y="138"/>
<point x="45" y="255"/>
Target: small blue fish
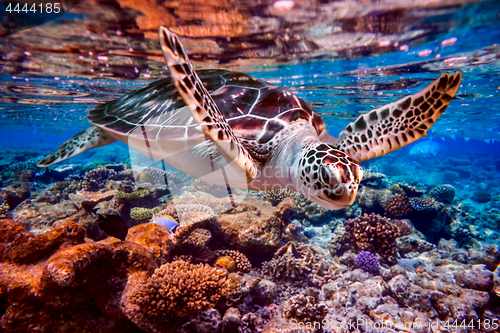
<point x="165" y="220"/>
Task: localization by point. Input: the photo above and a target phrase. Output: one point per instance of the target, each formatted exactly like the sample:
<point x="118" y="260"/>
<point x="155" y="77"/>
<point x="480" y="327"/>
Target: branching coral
<point x="398" y="205"/>
<point x="443" y="193"/>
<point x="96" y="179"/>
<point x="371" y="233"/>
<point x="176" y="289"/>
<point x="367" y="261"/>
<point x="242" y="262"/>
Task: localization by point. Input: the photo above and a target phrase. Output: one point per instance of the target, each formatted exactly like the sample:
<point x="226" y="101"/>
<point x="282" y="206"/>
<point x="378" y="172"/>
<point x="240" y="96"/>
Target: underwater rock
<point x="490" y="257"/>
<point x="413" y="244"/>
<point x="371" y="198"/>
<point x="478" y="278"/>
<point x="265" y="292"/>
<point x="231" y="321"/>
<point x="253" y="227"/>
<point x="14" y="195"/>
<point x="207" y="321"/>
<point x="482" y="196"/>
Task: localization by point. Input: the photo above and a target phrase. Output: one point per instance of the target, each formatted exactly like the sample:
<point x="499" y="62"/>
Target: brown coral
<point x="291" y="261"/>
<point x="46" y="278"/>
<point x="404" y="228"/>
<point x="398" y="205"/>
<point x="176" y="289"/>
<point x="96" y="179"/>
<point x="371" y="233"/>
<point x="306" y="309"/>
<point x="242" y="262"/>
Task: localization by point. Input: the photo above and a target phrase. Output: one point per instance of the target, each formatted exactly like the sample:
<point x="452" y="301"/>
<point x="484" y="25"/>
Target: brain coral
<point x="398" y="205"/>
<point x="371" y="233"/>
<point x="443" y="193"/>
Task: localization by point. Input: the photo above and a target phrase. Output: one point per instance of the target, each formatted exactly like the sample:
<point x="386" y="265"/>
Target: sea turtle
<point x="261" y="135"/>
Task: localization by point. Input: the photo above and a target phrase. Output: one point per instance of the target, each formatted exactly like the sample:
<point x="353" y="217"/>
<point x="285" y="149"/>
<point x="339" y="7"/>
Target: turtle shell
<point x="256" y="110"/>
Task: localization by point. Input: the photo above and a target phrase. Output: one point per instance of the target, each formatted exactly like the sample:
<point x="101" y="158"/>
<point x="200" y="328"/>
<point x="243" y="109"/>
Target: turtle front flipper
<point x="87" y="139"/>
<point x="398" y="124"/>
<point x="203" y="108"/>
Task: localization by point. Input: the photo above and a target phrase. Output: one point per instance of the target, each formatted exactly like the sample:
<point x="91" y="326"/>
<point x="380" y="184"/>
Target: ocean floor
<point x="80" y="250"/>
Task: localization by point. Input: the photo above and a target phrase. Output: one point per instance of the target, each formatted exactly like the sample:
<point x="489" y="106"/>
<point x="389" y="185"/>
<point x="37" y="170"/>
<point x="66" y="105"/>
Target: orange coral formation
<point x="242" y="262"/>
<point x="176" y="289"/>
<point x="226" y="262"/>
<point x="58" y="282"/>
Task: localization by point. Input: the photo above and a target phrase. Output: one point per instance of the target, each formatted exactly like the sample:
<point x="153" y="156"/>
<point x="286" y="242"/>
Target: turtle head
<point x="328" y="176"/>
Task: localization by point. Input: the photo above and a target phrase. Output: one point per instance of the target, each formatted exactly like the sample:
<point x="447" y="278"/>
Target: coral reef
<point x="443" y="193"/>
<point x="194" y="252"/>
<point x="305" y="309"/>
<point x="96" y="179"/>
<point x="241" y="261"/>
<point x="291" y="261"/>
<point x="398" y="205"/>
<point x="143" y="214"/>
<point x="366" y="261"/>
<point x="59" y="281"/>
<point x="254" y="227"/>
<point x="177" y="289"/>
<point x="4" y="209"/>
<point x="226" y="262"/>
<point x="372" y="233"/>
<point x="425" y="205"/>
<point x="404" y="227"/>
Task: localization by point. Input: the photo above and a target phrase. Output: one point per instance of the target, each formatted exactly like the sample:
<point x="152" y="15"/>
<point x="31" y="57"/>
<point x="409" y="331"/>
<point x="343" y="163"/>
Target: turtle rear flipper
<point x="87" y="139"/>
<point x="398" y="124"/>
<point x="203" y="108"/>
